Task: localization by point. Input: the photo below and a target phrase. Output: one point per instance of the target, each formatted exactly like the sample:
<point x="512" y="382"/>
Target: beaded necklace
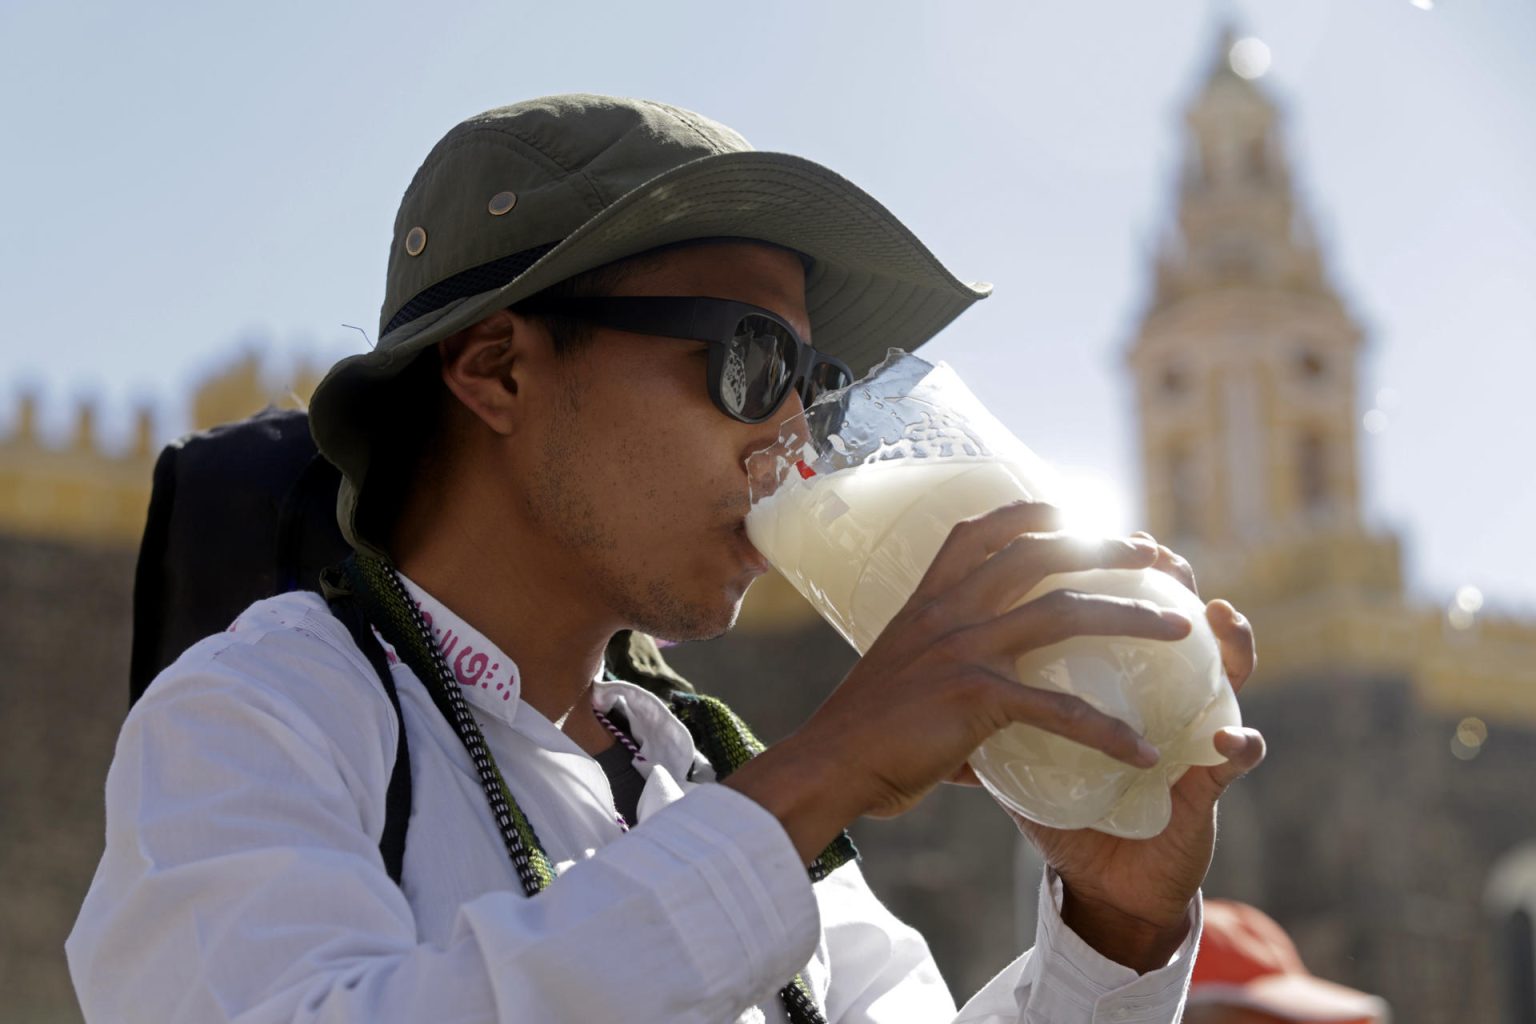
<point x="722" y="736"/>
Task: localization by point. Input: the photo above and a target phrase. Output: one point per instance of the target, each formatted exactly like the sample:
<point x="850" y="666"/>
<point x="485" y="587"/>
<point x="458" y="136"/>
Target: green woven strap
<point x="392" y="612"/>
<point x="728" y="743"/>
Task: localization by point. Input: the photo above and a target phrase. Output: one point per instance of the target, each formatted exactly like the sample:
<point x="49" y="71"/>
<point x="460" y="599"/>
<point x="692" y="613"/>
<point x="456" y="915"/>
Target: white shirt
<point x="242" y="879"/>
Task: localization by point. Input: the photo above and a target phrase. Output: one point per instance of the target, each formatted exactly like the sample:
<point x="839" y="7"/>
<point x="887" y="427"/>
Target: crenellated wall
<point x="91" y="489"/>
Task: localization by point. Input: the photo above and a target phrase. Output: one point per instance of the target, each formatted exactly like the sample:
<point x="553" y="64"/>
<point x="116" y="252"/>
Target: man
<point x="1248" y="972"/>
<point x="595" y="309"/>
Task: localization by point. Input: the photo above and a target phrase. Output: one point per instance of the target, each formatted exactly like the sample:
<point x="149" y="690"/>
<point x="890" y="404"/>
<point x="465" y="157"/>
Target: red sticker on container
<point x="806" y="472"/>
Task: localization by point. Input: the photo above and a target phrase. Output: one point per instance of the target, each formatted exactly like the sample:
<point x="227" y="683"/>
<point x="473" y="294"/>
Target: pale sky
<point x="186" y="178"/>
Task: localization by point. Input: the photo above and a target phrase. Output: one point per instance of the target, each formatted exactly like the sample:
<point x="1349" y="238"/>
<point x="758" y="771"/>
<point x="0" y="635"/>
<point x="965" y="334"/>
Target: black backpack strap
<point x="314" y="489"/>
<point x="149" y="580"/>
<point x="397" y="800"/>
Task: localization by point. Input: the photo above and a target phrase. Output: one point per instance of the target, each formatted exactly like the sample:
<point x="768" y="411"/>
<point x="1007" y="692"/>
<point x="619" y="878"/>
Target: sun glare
<point x="1094" y="505"/>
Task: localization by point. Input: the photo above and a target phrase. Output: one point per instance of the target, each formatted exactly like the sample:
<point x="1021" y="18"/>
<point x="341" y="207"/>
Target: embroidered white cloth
<point x="242" y="879"/>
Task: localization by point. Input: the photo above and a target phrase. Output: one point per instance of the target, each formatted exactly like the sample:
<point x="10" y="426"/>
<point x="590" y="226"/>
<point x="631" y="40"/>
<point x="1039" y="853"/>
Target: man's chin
<point x="690" y="624"/>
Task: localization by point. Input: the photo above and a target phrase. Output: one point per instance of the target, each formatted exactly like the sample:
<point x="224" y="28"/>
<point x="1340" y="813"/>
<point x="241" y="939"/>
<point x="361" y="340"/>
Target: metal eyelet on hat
<point x="501" y="202"/>
<point x="415" y="241"/>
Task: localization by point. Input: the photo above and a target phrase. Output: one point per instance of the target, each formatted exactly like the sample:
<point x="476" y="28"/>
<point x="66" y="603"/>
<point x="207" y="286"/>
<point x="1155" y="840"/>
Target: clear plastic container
<point x="853" y="503"/>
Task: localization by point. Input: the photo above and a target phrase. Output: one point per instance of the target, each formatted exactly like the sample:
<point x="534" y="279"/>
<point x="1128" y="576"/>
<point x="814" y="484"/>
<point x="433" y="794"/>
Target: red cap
<point x="1246" y="959"/>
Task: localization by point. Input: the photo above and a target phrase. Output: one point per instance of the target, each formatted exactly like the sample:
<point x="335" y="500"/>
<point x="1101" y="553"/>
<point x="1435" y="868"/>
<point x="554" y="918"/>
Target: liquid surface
<point x="856" y="542"/>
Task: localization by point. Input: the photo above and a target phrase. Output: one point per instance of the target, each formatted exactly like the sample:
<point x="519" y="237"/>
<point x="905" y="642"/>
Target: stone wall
<point x="64" y="634"/>
<point x="1371" y="843"/>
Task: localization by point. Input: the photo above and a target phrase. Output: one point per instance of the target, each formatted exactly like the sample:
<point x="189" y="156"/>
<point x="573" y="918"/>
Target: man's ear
<point x="482" y="364"/>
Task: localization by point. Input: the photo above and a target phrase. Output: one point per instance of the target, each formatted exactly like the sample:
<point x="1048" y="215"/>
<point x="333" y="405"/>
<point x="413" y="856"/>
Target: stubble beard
<point x="574" y="519"/>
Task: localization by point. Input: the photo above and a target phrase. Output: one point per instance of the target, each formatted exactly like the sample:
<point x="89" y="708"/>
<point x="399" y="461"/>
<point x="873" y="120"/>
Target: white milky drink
<point x="856" y="541"/>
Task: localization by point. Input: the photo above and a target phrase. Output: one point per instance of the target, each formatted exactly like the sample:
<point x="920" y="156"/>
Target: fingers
<point x="1235" y="636"/>
<point x="973" y="541"/>
<point x="1020" y="566"/>
<point x="1238" y="653"/>
<point x="1074" y="719"/>
<point x="1172" y="563"/>
<point x="1061" y="615"/>
<point x="965" y="775"/>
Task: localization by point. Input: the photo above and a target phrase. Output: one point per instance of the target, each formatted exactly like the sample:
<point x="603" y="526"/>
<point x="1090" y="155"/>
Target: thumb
<point x="1243" y="749"/>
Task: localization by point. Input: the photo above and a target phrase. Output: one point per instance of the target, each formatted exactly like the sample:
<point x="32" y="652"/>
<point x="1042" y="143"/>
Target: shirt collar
<point x="663" y="740"/>
<point x="487" y="678"/>
<point x="490" y="681"/>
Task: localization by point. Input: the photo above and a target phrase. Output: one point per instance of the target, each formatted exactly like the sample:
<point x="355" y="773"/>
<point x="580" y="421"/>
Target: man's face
<point x="640" y="479"/>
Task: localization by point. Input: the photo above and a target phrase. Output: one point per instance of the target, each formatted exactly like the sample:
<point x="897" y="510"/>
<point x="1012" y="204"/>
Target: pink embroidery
<point x="470" y="666"/>
<point x="476" y="668"/>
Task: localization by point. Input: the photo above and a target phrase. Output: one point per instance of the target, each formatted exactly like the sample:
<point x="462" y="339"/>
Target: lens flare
<point x="1472" y="732"/>
<point x="1468" y="739"/>
<point x="1249" y="58"/>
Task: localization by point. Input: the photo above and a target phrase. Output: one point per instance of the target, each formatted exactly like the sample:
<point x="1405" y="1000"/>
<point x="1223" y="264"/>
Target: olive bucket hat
<point x="523" y="197"/>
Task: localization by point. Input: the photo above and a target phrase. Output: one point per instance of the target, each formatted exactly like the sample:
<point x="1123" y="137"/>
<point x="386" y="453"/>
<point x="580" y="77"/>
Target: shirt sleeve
<point x="1063" y="980"/>
<point x="242" y="880"/>
<point x="882" y="971"/>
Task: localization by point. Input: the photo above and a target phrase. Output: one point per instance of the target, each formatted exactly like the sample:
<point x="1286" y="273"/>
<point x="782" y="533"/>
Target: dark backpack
<point x="246" y="511"/>
<point x="238" y="513"/>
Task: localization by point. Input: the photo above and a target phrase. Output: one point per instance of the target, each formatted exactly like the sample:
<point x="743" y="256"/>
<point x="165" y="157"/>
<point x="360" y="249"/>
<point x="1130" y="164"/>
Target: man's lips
<point x="754" y="558"/>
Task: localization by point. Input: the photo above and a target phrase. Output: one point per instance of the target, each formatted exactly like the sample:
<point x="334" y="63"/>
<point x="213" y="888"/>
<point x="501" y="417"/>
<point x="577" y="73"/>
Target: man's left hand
<point x="1129" y="898"/>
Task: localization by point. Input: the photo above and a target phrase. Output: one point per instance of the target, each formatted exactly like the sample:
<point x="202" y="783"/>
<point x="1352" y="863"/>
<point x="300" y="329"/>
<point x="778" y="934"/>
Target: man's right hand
<point x="940" y="679"/>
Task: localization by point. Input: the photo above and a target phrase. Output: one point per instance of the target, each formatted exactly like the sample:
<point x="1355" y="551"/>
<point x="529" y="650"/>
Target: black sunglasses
<point x="755" y="358"/>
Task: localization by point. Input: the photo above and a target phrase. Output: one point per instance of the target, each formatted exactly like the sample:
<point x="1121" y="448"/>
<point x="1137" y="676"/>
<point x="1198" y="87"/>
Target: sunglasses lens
<point x="759" y="362"/>
<point x="826" y="376"/>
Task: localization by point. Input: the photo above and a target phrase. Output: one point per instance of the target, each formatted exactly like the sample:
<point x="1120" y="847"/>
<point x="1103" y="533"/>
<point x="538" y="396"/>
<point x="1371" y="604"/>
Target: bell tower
<point x="1245" y="365"/>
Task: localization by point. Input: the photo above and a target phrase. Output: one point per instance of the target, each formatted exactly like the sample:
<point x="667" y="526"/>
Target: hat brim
<point x="872" y="285"/>
<point x="1297" y="997"/>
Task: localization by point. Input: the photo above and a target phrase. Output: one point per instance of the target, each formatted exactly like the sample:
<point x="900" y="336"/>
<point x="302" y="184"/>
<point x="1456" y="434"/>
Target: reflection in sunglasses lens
<point x="759" y="364"/>
<point x="828" y="377"/>
<point x="759" y="367"/>
<point x="734" y="374"/>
